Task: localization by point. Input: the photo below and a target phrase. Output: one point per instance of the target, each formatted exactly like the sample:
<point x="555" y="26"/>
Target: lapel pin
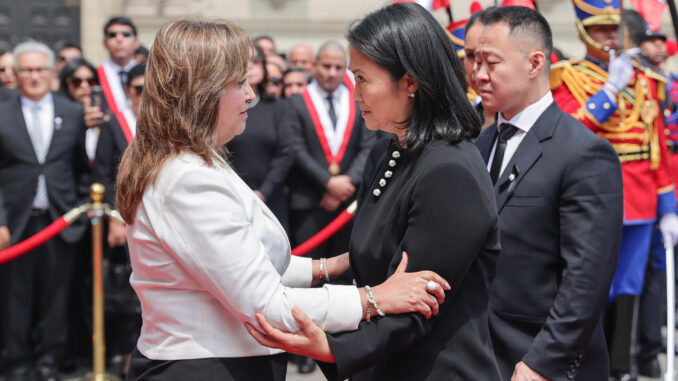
<point x="57" y="122"/>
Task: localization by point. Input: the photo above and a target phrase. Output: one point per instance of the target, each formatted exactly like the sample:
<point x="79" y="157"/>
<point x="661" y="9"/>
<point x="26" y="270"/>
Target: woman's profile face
<point x="80" y="84"/>
<point x="383" y="103"/>
<point x="233" y="110"/>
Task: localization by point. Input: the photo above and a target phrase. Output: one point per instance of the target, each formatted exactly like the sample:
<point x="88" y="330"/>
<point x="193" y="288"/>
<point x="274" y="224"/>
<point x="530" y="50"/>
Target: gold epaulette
<point x="556" y="75"/>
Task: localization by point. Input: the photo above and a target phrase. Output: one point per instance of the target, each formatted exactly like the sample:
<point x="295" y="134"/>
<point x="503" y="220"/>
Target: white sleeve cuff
<point x="299" y="273"/>
<point x="345" y="310"/>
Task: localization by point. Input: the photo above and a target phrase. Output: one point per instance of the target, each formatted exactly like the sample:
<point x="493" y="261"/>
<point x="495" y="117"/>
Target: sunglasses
<point x="257" y="59"/>
<point x="77" y="81"/>
<point x="138" y="89"/>
<point x="276" y="80"/>
<point x="125" y="33"/>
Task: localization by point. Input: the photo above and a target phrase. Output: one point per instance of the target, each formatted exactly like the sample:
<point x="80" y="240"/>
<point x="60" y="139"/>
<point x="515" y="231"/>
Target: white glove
<point x="668" y="225"/>
<point x="620" y="72"/>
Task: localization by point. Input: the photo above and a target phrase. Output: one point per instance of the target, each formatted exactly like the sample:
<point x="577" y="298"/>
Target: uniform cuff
<point x="666" y="202"/>
<point x="601" y="106"/>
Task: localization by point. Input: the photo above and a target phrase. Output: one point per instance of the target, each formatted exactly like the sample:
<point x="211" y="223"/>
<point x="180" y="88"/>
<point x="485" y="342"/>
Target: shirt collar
<point x="42" y="103"/>
<point x="526" y="118"/>
<point x="117" y="68"/>
<point x="335" y="94"/>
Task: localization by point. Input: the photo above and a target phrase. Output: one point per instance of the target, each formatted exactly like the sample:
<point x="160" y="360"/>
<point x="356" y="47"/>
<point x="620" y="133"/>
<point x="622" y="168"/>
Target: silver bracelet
<point x="370" y="300"/>
<point x="323" y="269"/>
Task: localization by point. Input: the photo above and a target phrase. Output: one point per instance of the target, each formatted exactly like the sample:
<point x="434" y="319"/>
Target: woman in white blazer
<point x="206" y="252"/>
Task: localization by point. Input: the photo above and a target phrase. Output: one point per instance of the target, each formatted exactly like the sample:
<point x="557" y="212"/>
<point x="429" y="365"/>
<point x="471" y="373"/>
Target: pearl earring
<point x="411" y="95"/>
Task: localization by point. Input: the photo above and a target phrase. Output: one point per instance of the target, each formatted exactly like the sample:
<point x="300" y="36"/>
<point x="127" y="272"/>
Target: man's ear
<point x="538" y="62"/>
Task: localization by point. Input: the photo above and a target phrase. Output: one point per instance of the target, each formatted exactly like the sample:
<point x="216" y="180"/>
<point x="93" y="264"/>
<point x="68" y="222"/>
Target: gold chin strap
<point x="590" y="41"/>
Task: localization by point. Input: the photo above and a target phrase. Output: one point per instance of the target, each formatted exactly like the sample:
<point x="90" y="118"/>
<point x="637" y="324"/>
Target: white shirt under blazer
<point x="207" y="254"/>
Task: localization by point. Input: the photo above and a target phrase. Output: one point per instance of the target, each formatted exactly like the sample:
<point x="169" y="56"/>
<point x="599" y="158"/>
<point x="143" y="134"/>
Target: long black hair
<point x="69" y="70"/>
<point x="405" y="38"/>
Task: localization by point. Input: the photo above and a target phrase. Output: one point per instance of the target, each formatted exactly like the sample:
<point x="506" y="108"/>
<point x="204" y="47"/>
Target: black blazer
<point x="262" y="154"/>
<point x="66" y="167"/>
<point x="439" y="207"/>
<point x="310" y="174"/>
<point x="560" y="218"/>
<point x="110" y="147"/>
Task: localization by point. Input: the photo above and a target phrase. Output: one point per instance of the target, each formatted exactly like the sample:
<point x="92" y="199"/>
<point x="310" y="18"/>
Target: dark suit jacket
<point x="560" y="218"/>
<point x="439" y="207"/>
<point x="7" y="94"/>
<point x="262" y="154"/>
<point x="310" y="174"/>
<point x="66" y="167"/>
<point x="110" y="147"/>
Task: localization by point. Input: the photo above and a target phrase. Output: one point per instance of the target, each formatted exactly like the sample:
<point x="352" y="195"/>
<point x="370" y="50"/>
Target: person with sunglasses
<point x="274" y="84"/>
<point x="121" y="42"/>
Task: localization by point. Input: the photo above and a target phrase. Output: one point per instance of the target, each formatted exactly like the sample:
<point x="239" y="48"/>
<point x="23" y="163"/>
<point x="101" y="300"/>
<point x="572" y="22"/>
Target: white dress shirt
<point x="523" y="121"/>
<point x="112" y="71"/>
<point x="46" y="126"/>
<point x="341" y="99"/>
<point x="207" y="254"/>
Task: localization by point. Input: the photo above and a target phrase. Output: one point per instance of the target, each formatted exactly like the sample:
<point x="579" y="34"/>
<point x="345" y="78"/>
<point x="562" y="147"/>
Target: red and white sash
<point x="112" y="105"/>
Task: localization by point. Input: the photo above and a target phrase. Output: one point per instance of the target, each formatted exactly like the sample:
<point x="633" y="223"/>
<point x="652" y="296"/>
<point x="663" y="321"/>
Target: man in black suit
<point x="559" y="198"/>
<point x="44" y="171"/>
<point x="331" y="144"/>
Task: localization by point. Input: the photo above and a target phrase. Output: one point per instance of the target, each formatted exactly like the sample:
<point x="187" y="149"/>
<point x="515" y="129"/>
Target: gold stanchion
<point x="96" y="192"/>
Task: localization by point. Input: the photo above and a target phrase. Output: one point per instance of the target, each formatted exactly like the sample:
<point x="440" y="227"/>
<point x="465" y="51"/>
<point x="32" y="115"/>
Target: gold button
<point x="606" y="106"/>
<point x="592" y="106"/>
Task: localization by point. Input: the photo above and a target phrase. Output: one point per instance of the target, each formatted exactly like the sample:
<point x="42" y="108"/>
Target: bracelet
<point x="320" y="271"/>
<point x="370" y="300"/>
<point x="323" y="269"/>
<point x="367" y="310"/>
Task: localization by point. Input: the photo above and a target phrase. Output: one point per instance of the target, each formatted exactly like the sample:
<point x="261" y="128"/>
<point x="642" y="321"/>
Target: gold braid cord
<point x="631" y="130"/>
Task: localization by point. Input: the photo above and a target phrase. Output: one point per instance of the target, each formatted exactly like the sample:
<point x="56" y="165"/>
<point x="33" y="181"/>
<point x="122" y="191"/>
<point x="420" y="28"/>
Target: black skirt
<point x="262" y="368"/>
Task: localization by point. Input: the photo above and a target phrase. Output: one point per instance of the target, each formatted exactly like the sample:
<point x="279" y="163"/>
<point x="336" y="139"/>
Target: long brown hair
<point x="188" y="67"/>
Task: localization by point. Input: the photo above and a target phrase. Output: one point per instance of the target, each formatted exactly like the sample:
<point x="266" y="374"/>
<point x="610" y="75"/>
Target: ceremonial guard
<point x="618" y="98"/>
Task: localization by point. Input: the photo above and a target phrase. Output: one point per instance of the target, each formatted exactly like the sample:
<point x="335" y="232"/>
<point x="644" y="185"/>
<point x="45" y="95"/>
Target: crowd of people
<point x="513" y="205"/>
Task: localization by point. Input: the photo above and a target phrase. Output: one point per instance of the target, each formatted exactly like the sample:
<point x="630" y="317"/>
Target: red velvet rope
<point x="35" y="241"/>
<point x="328" y="231"/>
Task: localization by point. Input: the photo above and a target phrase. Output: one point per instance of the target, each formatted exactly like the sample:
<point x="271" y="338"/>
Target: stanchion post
<point x="96" y="192"/>
<point x="670" y="312"/>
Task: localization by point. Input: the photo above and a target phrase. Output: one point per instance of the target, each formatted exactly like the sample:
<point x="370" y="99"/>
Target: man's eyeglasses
<point x="77" y="81"/>
<point x="125" y="33"/>
<point x="138" y="89"/>
<point x="30" y="70"/>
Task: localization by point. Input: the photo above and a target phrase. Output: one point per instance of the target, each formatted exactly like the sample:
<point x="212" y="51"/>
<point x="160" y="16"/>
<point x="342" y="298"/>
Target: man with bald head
<point x="301" y="55"/>
<point x="559" y="199"/>
<point x="331" y="145"/>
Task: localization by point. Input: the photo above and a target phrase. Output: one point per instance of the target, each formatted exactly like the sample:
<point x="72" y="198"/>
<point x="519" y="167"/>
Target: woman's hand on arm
<point x="310" y="341"/>
<point x="405" y="292"/>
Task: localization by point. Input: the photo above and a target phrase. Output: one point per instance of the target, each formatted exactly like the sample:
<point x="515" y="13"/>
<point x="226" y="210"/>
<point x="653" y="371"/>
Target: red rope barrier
<point x="328" y="231"/>
<point x="42" y="236"/>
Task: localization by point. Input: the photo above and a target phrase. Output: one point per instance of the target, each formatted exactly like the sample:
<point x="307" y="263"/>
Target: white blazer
<point x="207" y="254"/>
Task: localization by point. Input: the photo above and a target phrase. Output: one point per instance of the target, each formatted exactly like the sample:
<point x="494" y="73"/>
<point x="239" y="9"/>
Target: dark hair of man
<point x="297" y="69"/>
<point x="136" y="71"/>
<point x="636" y="24"/>
<point x="262" y="37"/>
<point x="120" y="20"/>
<point x="473" y="19"/>
<point x="71" y="67"/>
<point x="405" y="38"/>
<point x="68" y="44"/>
<point x="142" y="50"/>
<point x="523" y="20"/>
